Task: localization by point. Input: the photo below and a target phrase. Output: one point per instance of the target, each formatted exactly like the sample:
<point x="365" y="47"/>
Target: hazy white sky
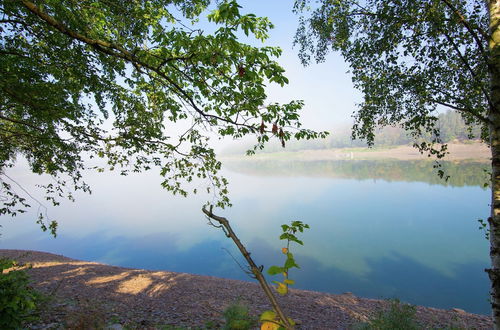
<point x="326" y="88"/>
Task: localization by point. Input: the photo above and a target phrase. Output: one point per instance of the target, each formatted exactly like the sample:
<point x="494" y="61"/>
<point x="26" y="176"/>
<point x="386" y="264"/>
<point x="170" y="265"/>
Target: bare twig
<point x="483" y="119"/>
<point x="248" y="272"/>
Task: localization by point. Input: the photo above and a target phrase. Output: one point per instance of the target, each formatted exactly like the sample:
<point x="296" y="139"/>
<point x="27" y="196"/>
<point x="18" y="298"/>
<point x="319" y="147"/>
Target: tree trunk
<point x="494" y="221"/>
<point x="494" y="117"/>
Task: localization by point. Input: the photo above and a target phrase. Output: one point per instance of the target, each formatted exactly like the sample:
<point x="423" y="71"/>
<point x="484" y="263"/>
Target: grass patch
<point x="237" y="316"/>
<point x="399" y="316"/>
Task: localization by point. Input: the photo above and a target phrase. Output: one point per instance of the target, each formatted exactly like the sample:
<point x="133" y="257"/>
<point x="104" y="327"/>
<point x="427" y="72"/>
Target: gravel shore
<point x="87" y="293"/>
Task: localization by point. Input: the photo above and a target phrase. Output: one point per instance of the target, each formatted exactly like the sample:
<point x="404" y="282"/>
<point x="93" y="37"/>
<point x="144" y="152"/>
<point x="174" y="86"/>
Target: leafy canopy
<point x="407" y="57"/>
<point x="116" y="79"/>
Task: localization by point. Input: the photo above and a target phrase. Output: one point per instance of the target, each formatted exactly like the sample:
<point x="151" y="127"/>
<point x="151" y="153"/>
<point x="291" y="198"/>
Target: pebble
<point x="45" y="326"/>
<point x="115" y="326"/>
<point x="458" y="310"/>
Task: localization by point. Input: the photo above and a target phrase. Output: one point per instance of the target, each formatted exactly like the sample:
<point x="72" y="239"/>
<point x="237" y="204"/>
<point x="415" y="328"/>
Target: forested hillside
<point x="451" y="125"/>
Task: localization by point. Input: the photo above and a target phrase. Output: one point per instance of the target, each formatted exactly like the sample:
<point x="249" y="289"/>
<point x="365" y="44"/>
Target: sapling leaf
<point x="282" y="289"/>
<point x="290" y="263"/>
<point x="273" y="270"/>
<point x="268" y="315"/>
<point x="296" y="240"/>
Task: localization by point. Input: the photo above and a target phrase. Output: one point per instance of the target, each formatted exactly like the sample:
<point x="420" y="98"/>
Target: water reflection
<point x="460" y="173"/>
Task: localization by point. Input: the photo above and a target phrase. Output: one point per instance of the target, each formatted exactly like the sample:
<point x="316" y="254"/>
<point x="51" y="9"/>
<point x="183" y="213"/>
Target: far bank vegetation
<point x="452" y="128"/>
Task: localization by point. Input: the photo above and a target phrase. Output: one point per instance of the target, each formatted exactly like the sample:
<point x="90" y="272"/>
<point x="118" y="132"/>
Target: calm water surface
<point x="378" y="229"/>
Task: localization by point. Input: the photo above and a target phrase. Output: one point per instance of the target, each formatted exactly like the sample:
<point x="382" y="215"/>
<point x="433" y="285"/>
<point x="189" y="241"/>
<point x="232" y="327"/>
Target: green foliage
<point x="289" y="235"/>
<point x="399" y="316"/>
<point x="17" y="299"/>
<point x="407" y="58"/>
<point x="402" y="316"/>
<point x="237" y="317"/>
<point x="269" y="318"/>
<point x="483" y="226"/>
<point x="115" y="81"/>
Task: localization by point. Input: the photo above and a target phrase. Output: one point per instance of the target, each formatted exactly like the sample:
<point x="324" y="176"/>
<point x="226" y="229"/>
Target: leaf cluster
<point x="17" y="299"/>
<point x="288" y="235"/>
<point x="270" y="321"/>
<point x="408" y="58"/>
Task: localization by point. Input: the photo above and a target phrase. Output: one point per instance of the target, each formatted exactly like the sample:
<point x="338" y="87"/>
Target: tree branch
<point x="120" y="52"/>
<point x="255" y="270"/>
<point x="469" y="28"/>
<point x="466" y="110"/>
<point x="10" y="52"/>
<point x="467" y="65"/>
<point x="15" y="121"/>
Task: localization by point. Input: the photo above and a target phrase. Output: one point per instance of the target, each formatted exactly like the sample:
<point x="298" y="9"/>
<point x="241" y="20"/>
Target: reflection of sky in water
<point x="415" y="241"/>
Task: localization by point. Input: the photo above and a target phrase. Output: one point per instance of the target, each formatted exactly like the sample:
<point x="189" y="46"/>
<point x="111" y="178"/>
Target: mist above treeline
<point x="451" y="125"/>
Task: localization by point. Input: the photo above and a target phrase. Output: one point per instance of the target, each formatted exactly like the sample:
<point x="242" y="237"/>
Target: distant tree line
<point x="452" y="128"/>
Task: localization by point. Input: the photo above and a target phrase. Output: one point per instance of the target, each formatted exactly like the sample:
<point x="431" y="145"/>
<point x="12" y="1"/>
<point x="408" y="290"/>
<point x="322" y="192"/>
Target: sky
<point x="326" y="88"/>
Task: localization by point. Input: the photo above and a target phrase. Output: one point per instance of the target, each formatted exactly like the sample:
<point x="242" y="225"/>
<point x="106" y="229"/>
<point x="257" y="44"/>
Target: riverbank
<point x="474" y="151"/>
<point x="83" y="292"/>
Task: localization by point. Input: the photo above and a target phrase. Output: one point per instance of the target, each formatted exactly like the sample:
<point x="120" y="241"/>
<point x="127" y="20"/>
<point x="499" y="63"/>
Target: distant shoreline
<point x="473" y="151"/>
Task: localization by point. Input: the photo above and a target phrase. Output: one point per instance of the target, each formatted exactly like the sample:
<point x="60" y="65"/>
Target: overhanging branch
<point x="466" y="110"/>
<point x="469" y="27"/>
<point x="120" y="52"/>
<point x="467" y="65"/>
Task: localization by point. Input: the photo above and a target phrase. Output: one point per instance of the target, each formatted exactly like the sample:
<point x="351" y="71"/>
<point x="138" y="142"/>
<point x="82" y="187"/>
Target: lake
<point x="379" y="229"/>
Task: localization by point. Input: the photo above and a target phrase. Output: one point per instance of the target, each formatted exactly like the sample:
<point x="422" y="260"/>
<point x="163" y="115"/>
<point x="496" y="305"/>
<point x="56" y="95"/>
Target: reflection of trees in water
<point x="461" y="173"/>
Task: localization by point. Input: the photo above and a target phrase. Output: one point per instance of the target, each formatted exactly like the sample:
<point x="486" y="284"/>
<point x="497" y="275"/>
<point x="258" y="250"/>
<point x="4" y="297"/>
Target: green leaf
<point x="273" y="270"/>
<point x="290" y="262"/>
<point x="268" y="315"/>
<point x="295" y="239"/>
<point x="282" y="289"/>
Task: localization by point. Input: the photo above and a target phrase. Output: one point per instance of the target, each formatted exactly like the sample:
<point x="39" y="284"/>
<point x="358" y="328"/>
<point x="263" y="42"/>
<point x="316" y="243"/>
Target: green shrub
<point x="399" y="316"/>
<point x="238" y="317"/>
<point x="17" y="298"/>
